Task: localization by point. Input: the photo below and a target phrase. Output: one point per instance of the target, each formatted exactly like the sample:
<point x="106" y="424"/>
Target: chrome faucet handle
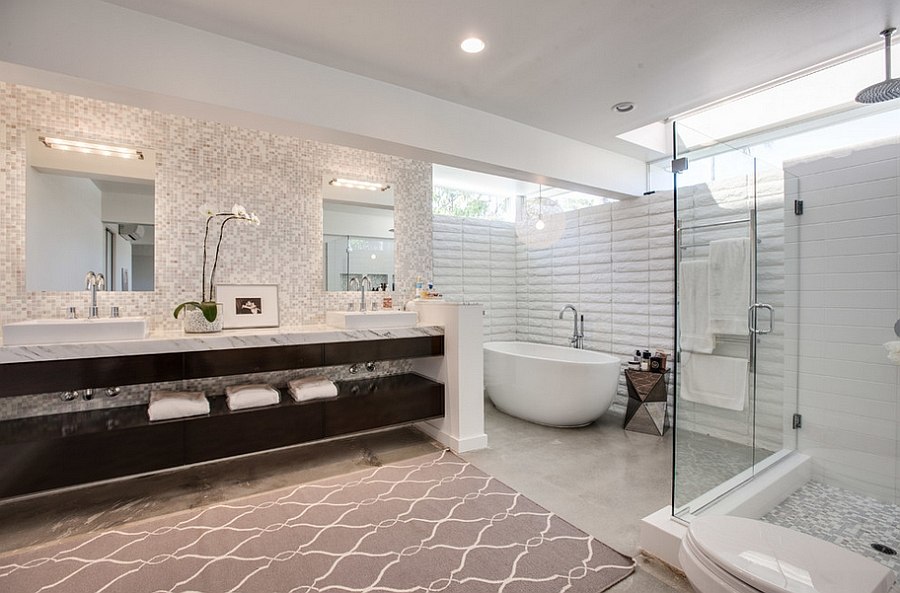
<point x="101" y="282"/>
<point x="113" y="312"/>
<point x="71" y="313"/>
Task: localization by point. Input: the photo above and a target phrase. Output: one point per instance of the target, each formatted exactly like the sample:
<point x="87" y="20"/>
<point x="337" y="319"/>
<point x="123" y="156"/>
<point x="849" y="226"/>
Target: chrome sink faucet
<point x="577" y="339"/>
<point x="362" y="292"/>
<point x="94" y="282"/>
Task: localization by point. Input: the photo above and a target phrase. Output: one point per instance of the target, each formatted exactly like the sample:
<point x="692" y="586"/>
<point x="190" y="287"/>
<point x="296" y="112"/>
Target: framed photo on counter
<point x="248" y="305"/>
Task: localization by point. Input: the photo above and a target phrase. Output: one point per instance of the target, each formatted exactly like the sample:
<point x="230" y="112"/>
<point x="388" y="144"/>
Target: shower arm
<point x="887" y="52"/>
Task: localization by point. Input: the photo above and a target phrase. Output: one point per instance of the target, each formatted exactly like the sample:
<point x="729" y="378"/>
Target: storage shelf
<point x="66" y="449"/>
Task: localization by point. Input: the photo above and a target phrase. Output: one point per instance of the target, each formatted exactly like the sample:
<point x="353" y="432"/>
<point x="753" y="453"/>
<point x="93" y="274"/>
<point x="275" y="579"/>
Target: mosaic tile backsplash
<point x="277" y="177"/>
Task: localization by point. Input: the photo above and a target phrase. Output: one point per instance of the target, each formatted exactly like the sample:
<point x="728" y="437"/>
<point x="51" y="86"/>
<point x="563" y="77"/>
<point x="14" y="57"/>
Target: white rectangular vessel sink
<point x="62" y="331"/>
<point x="370" y="319"/>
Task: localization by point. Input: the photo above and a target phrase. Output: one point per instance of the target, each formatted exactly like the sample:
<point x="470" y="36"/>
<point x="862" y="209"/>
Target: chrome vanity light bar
<point x="354" y="184"/>
<point x="91" y="148"/>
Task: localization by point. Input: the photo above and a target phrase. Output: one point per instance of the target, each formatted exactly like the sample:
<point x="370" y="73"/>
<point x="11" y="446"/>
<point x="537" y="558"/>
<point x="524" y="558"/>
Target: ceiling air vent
<point x="131" y="232"/>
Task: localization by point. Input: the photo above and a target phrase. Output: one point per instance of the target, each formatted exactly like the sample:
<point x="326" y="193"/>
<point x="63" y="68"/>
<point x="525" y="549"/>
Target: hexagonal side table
<point x="647" y="400"/>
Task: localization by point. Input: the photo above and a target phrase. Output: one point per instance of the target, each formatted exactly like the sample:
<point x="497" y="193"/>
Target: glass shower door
<point x="719" y="322"/>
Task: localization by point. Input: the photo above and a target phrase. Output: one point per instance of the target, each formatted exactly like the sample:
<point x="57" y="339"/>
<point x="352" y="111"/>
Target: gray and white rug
<point x="434" y="523"/>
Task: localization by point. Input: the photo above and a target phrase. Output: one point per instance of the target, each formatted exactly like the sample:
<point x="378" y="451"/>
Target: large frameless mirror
<point x="89" y="208"/>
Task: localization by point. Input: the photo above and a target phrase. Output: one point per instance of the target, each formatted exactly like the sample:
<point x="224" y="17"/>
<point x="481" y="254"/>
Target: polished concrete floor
<point x="600" y="478"/>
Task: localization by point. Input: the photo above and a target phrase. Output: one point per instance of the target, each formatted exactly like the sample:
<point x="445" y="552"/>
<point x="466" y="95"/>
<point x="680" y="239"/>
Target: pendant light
<point x="539" y="225"/>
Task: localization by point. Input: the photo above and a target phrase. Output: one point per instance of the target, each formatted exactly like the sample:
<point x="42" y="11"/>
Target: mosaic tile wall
<point x="278" y="177"/>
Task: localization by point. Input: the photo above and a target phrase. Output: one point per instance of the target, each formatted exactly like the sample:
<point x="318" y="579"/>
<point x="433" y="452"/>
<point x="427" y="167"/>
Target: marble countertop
<point x="178" y="341"/>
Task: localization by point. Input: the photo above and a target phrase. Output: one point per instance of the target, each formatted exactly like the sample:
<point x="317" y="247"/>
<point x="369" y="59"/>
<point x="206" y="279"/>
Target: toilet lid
<point x="774" y="559"/>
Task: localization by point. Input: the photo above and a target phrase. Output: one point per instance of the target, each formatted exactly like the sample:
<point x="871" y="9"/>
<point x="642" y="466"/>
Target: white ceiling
<point x="557" y="65"/>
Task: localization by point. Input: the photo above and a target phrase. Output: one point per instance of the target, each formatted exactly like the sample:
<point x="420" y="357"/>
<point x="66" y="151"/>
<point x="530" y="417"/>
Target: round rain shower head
<point x="889" y="88"/>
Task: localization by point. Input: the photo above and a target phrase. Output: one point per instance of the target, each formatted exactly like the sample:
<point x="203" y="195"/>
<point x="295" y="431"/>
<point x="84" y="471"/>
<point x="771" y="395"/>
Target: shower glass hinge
<point x="798" y="207"/>
<point x="679" y="165"/>
<point x="797" y="421"/>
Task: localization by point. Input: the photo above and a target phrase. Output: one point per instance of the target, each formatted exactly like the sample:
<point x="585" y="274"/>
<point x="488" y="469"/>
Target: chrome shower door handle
<point x="751" y="318"/>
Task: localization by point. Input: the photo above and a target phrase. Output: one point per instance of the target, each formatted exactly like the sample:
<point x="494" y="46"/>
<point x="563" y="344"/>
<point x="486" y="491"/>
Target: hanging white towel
<point x="165" y="405"/>
<point x="693" y="310"/>
<point x="729" y="286"/>
<point x="315" y="387"/>
<point x="718" y="381"/>
<point x="240" y="397"/>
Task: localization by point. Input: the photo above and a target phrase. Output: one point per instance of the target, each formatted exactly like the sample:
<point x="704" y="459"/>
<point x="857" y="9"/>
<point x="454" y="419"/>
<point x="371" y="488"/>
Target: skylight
<point x="820" y="92"/>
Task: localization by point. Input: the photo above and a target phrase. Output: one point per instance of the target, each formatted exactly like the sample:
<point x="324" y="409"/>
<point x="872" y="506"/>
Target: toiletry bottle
<point x="645" y="361"/>
<point x="419" y="287"/>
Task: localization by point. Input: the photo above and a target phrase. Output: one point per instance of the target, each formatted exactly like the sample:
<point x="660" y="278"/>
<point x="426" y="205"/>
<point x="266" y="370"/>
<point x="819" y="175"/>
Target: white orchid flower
<point x="254" y="219"/>
<point x="207" y="210"/>
<point x="239" y="211"/>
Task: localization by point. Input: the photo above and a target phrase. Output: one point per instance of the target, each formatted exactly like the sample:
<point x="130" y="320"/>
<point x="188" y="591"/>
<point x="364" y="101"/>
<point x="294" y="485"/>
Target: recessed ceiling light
<point x="623" y="107"/>
<point x="472" y="45"/>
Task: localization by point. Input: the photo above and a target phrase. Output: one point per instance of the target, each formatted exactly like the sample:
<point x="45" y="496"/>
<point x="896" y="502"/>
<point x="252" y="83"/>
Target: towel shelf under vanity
<point x="61" y="450"/>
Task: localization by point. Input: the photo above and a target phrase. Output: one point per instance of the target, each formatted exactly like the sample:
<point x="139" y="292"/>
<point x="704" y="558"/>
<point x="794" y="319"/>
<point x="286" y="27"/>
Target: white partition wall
<point x="461" y="370"/>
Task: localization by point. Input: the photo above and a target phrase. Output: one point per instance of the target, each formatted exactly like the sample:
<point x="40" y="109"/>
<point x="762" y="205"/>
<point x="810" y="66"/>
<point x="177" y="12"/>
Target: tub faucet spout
<point x="577" y="339"/>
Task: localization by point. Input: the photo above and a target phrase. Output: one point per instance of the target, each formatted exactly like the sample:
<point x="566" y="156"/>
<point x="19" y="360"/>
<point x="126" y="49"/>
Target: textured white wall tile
<point x="843" y="286"/>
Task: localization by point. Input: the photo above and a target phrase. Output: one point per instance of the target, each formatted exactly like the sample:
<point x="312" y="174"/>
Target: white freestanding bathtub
<point x="549" y="384"/>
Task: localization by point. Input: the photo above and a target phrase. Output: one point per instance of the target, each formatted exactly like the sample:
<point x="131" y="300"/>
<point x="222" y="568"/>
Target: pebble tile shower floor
<point x="845" y="518"/>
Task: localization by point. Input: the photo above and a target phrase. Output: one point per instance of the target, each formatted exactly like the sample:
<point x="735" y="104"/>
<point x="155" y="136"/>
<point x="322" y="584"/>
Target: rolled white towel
<point x="893" y="349"/>
<point x="315" y="387"/>
<point x="165" y="405"/>
<point x="240" y="397"/>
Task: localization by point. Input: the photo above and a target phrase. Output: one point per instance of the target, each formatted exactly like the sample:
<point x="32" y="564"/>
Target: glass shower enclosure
<point x="729" y="255"/>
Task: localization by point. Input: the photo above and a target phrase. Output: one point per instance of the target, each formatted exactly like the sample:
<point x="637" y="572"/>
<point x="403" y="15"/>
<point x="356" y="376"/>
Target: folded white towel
<point x="693" y="309"/>
<point x="240" y="397"/>
<point x="719" y="381"/>
<point x="893" y="349"/>
<point x="729" y="286"/>
<point x="165" y="405"/>
<point x="314" y="387"/>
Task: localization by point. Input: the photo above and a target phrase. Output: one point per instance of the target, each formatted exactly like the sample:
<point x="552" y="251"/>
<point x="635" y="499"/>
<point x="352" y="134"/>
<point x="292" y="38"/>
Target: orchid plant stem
<point x="212" y="276"/>
<point x="207" y="303"/>
<point x="203" y="275"/>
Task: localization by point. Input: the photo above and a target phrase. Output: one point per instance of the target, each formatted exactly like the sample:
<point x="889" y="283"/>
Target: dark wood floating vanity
<point x="46" y="452"/>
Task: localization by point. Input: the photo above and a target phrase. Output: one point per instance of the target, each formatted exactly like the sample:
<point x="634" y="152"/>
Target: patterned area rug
<point x="434" y="523"/>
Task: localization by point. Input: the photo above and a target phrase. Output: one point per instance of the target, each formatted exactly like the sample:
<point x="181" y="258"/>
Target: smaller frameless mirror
<point x="89" y="208"/>
<point x="358" y="241"/>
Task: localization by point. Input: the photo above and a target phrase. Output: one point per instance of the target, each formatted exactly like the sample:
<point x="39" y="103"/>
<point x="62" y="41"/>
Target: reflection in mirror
<point x="358" y="238"/>
<point x="88" y="212"/>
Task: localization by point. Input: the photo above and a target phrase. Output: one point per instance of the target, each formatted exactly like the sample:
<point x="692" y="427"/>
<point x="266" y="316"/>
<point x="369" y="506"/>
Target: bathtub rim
<point x="603" y="357"/>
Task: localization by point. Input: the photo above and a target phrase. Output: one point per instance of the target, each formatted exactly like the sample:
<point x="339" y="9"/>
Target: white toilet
<point x="722" y="554"/>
